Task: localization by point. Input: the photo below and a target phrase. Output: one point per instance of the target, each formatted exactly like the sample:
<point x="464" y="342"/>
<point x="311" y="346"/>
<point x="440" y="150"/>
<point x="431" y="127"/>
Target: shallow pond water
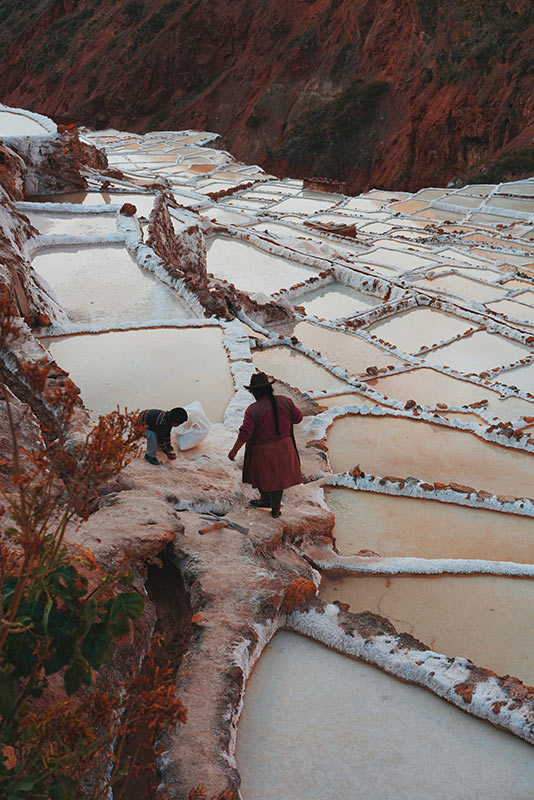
<point x="522" y="377"/>
<point x="513" y="310"/>
<point x="73" y="224"/>
<point x="344" y="349"/>
<point x="251" y="269"/>
<point x="406" y="526"/>
<point x="296" y="369"/>
<point x="336" y="300"/>
<point x="429" y="387"/>
<point x="510" y="258"/>
<point x="142" y="202"/>
<point x="465" y="287"/>
<point x="478" y="352"/>
<point x="458" y="255"/>
<point x="403" y="260"/>
<point x="408" y="206"/>
<point x="487" y="619"/>
<point x="154" y="368"/>
<point x="410" y="330"/>
<point x="431" y="452"/>
<point x="103" y="283"/>
<point x="317" y="725"/>
<point x="304" y="205"/>
<point x="513" y="203"/>
<point x="523" y="297"/>
<point x="349" y="399"/>
<point x="224" y="216"/>
<point x="442" y="215"/>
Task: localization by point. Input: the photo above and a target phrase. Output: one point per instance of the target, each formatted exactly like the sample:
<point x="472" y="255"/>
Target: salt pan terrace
<point x="19" y="122"/>
<point x="356" y="733"/>
<point x="408" y="319"/>
<point x="123" y="367"/>
<point x="89" y="284"/>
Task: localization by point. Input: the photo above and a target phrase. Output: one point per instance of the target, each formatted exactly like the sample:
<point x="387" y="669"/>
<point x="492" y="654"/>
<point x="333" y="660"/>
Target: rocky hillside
<point x="396" y="93"/>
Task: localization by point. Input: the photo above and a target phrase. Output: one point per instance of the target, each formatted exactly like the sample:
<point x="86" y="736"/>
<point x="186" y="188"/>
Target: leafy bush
<point x="134" y="10"/>
<point x="517" y="164"/>
<point x="254" y="120"/>
<point x="153" y="25"/>
<point x="60" y="615"/>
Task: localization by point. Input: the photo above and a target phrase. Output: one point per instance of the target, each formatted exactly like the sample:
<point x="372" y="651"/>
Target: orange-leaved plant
<point x="60" y="615"/>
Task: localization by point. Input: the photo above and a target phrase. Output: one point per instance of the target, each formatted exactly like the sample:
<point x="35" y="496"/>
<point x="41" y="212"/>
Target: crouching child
<point x="158" y="431"/>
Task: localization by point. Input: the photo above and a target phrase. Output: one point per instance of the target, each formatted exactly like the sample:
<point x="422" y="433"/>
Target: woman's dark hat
<point x="259" y="381"/>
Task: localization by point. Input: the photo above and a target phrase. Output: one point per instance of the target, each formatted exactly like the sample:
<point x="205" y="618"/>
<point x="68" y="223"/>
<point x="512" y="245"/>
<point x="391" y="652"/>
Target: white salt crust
<point x="412" y="487"/>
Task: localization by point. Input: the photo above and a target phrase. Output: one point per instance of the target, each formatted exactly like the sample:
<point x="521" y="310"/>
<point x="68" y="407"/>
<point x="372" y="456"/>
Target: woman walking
<point x="271" y="462"/>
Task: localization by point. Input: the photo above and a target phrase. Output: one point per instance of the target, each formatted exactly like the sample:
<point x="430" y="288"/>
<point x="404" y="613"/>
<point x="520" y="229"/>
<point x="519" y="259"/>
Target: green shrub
<point x="517" y="164"/>
<point x="254" y="120"/>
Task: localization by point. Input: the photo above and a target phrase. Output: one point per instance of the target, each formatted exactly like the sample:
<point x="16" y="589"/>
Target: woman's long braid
<point x="270" y="395"/>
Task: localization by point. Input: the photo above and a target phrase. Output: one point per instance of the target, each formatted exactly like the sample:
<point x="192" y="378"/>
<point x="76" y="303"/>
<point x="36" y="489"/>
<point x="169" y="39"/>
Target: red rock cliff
<point x="396" y="93"/>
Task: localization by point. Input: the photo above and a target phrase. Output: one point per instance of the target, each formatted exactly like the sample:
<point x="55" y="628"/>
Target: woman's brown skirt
<point x="272" y="466"/>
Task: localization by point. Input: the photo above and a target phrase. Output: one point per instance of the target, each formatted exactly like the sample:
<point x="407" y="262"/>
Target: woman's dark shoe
<point x="275" y="512"/>
<point x="151" y="459"/>
<point x="258" y="503"/>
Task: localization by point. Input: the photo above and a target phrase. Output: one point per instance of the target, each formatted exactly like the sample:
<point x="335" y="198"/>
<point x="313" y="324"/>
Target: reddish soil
<point x="396" y="93"/>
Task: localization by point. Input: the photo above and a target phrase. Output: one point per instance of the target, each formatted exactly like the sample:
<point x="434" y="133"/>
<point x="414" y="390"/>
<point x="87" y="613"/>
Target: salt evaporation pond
<point x="412" y="329"/>
<point x="404" y="526"/>
<point x="429" y="387"/>
<point x="336" y="301"/>
<point x="522" y="377"/>
<point x="465" y="287"/>
<point x="478" y="352"/>
<point x="320" y="726"/>
<point x="251" y="269"/>
<point x="73" y="224"/>
<point x="223" y="216"/>
<point x="349" y="399"/>
<point x="401" y="259"/>
<point x="143" y="202"/>
<point x="485" y="618"/>
<point x="152" y="368"/>
<point x="13" y="124"/>
<point x="386" y="445"/>
<point x="103" y="283"/>
<point x="304" y="205"/>
<point x="344" y="349"/>
<point x="516" y="311"/>
<point x="296" y="369"/>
